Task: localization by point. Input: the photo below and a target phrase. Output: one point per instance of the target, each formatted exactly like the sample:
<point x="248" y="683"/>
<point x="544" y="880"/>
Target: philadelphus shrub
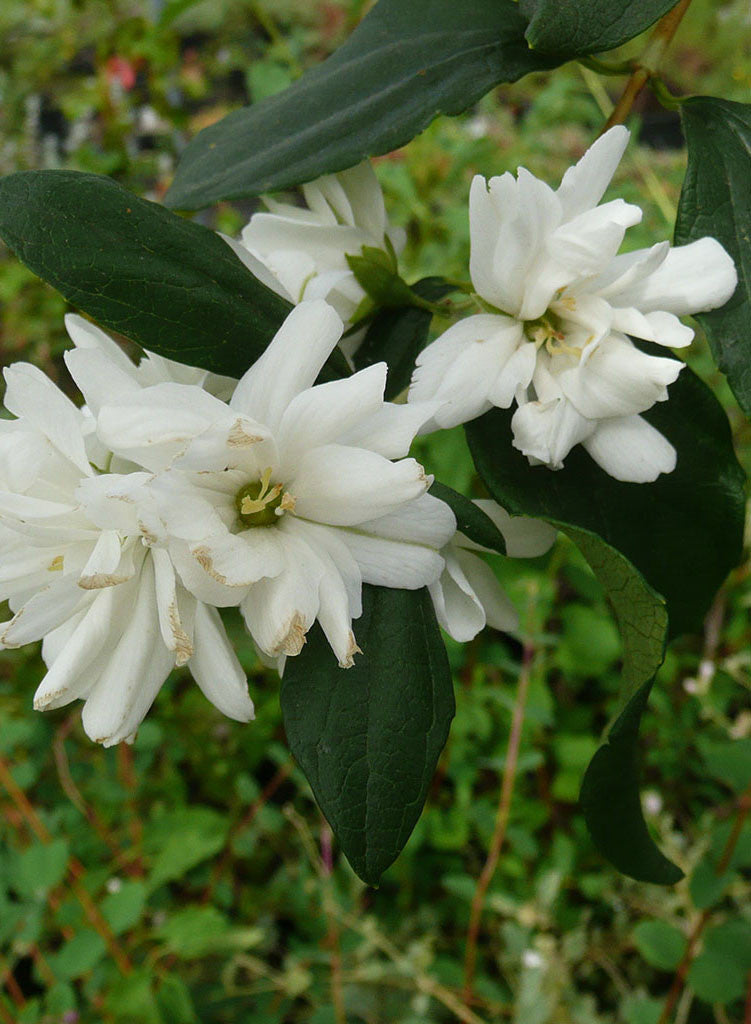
<point x="259" y="455"/>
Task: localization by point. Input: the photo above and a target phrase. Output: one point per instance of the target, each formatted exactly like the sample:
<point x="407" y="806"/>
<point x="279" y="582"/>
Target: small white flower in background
<point x="113" y="617"/>
<point x="468" y="596"/>
<point x="306" y="249"/>
<point x="561" y="303"/>
<point x="286" y="500"/>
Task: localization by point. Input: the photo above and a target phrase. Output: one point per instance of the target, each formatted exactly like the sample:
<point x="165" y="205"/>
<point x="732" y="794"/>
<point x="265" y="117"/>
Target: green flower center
<point x="258" y="501"/>
<point x="549" y="330"/>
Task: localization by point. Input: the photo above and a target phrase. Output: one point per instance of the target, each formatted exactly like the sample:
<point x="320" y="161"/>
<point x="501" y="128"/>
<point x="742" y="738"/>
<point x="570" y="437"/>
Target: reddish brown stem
<point x="501" y="823"/>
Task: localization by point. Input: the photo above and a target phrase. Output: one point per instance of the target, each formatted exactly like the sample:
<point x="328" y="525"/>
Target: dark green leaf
<point x="573" y="28"/>
<point x="368" y="737"/>
<point x="683" y="533"/>
<point x="610" y="801"/>
<point x="166" y="283"/>
<point x="470" y="519"/>
<point x="661" y="944"/>
<point x="403" y="65"/>
<point x="716" y="201"/>
<point x="397" y="336"/>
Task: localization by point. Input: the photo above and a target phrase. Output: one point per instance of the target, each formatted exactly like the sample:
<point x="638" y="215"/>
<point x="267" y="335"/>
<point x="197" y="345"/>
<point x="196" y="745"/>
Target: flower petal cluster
<point x="306" y="249"/>
<point x="113" y="615"/>
<point x="561" y="304"/>
<point x="468" y="595"/>
<point x="287" y="499"/>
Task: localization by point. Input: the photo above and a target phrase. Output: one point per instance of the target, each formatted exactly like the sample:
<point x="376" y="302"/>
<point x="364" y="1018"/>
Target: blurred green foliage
<point x="191" y="878"/>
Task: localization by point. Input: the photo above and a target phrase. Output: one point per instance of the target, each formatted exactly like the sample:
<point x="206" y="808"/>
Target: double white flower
<point x="286" y="500"/>
<point x="562" y="303"/>
<point x="306" y="249"/>
<point x="113" y="616"/>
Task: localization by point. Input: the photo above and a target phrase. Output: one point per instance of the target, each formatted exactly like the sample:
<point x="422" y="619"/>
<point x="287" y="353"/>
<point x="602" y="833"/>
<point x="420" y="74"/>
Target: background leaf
<point x="401" y="67"/>
<point x="168" y="284"/>
<point x="368" y="737"/>
<point x="716" y="200"/>
<point x="573" y="28"/>
<point x="661" y="944"/>
<point x="397" y="336"/>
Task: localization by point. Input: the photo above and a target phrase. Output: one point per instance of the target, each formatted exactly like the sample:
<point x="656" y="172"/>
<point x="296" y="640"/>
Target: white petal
<point x="176" y="633"/>
<point x="525" y="537"/>
<point x="584" y="184"/>
<point x="692" y="278"/>
<point x="215" y="667"/>
<point x="457" y="607"/>
<point x="88" y="337"/>
<point x="342" y="486"/>
<point x="33" y="397"/>
<point x="547" y="431"/>
<point x="630" y="449"/>
<point x="134" y="673"/>
<point x="426" y="520"/>
<point x="516" y="373"/>
<point x="499" y="610"/>
<point x="279" y="612"/>
<point x="661" y="328"/>
<point x="237" y="560"/>
<point x="323" y="414"/>
<point x="255" y="266"/>
<point x="391" y="563"/>
<point x="43" y="612"/>
<point x="106" y="566"/>
<point x="365" y="198"/>
<point x="460" y="368"/>
<point x="100" y="625"/>
<point x="154" y="425"/>
<point x="290" y="364"/>
<point x="391" y="430"/>
<point x="98" y="378"/>
<point x="587" y="243"/>
<point x="617" y="380"/>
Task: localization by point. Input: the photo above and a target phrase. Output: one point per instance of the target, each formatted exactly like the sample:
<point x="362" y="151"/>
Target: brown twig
<point x="75" y="868"/>
<point x="8" y="979"/>
<point x="280" y="776"/>
<point x="744" y="806"/>
<point x="649" y="62"/>
<point x="130" y="784"/>
<point x="501" y="822"/>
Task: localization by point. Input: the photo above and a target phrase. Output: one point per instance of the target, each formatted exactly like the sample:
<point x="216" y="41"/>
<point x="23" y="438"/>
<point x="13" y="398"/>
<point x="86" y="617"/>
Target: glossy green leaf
<point x="610" y="801"/>
<point x="368" y="737"/>
<point x="168" y="284"/>
<point x="470" y="519"/>
<point x="397" y="336"/>
<point x="573" y="28"/>
<point x="716" y="201"/>
<point x="401" y="67"/>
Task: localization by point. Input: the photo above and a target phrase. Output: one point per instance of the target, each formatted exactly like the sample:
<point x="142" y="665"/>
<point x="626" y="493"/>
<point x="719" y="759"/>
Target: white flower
<point x="113" y="617"/>
<point x="306" y="249"/>
<point x="286" y="500"/>
<point x="561" y="306"/>
<point x="468" y="596"/>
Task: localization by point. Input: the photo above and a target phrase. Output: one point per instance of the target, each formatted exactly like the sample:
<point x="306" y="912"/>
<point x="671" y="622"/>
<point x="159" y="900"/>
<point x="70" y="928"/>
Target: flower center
<point x="548" y="330"/>
<point x="260" y="503"/>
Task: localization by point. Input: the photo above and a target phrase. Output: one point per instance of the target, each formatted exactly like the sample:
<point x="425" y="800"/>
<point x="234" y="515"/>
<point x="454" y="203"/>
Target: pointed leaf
<point x="612" y="808"/>
<point x="470" y="519"/>
<point x="575" y="29"/>
<point x="401" y="67"/>
<point x="716" y="201"/>
<point x="168" y="284"/>
<point x="368" y="737"/>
